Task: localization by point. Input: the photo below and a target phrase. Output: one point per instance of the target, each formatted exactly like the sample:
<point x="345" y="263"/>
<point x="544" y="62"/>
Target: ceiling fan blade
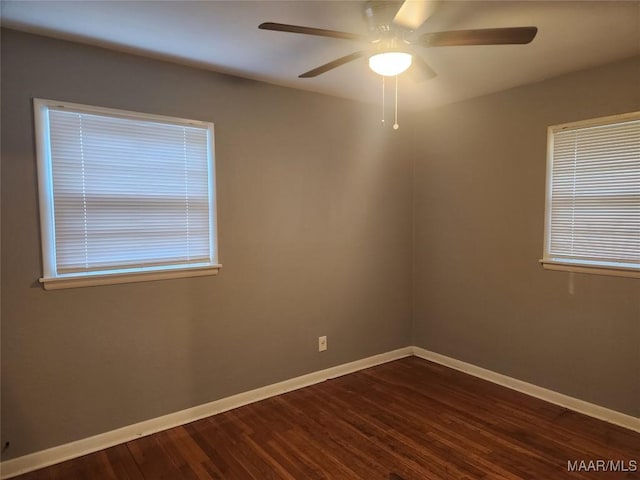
<point x="413" y="13"/>
<point x="281" y="27"/>
<point x="420" y="70"/>
<point x="487" y="36"/>
<point x="331" y="65"/>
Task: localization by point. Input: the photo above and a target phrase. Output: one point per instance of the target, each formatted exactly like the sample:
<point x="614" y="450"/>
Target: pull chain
<point x="395" y="125"/>
<point x="383" y="101"/>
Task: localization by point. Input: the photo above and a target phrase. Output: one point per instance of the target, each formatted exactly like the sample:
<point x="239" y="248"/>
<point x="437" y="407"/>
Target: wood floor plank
<point x="405" y="420"/>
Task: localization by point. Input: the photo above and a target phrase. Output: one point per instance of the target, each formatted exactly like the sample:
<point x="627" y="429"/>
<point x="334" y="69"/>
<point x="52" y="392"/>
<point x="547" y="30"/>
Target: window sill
<point x="75" y="281"/>
<point x="590" y="269"/>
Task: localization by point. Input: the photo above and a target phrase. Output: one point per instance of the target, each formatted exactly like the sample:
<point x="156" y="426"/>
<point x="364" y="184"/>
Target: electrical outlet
<point x="322" y="344"/>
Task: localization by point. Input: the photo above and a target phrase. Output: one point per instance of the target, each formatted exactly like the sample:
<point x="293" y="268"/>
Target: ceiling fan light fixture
<point x="390" y="64"/>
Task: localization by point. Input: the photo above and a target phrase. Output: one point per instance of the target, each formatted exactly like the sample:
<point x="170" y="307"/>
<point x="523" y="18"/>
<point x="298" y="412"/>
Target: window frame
<point x="578" y="266"/>
<point x="53" y="280"/>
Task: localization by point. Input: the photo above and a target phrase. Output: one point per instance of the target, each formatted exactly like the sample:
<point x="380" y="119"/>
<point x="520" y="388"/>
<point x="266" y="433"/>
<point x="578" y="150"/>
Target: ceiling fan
<point x="392" y="43"/>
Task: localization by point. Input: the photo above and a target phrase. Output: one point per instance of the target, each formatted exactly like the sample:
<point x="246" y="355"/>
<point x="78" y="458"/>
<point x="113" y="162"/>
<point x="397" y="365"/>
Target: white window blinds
<point x="593" y="194"/>
<point x="128" y="192"/>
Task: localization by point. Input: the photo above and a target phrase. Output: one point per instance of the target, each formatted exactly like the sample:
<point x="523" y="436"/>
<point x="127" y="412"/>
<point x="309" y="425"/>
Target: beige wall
<point x="479" y="293"/>
<point x="314" y="204"/>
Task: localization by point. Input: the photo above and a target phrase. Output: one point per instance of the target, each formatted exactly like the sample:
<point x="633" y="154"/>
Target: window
<point x="124" y="196"/>
<point x="593" y="196"/>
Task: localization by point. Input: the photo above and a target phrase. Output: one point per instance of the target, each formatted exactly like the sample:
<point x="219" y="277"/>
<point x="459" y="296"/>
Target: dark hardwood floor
<point x="404" y="420"/>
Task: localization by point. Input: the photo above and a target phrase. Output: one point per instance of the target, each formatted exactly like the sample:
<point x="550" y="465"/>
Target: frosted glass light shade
<point x="390" y="64"/>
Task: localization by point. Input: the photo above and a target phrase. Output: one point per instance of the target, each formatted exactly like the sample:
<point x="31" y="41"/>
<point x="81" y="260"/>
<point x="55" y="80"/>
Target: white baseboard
<point x="590" y="409"/>
<point x="44" y="458"/>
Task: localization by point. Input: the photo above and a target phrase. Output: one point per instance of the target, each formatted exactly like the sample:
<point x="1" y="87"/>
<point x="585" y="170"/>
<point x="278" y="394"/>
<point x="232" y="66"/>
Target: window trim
<point x="51" y="279"/>
<point x="579" y="266"/>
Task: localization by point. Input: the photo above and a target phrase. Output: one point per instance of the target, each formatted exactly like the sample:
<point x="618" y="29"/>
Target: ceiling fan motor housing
<point x="380" y="15"/>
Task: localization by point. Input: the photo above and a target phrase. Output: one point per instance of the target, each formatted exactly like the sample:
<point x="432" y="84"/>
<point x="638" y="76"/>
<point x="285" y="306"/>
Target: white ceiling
<point x="223" y="36"/>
